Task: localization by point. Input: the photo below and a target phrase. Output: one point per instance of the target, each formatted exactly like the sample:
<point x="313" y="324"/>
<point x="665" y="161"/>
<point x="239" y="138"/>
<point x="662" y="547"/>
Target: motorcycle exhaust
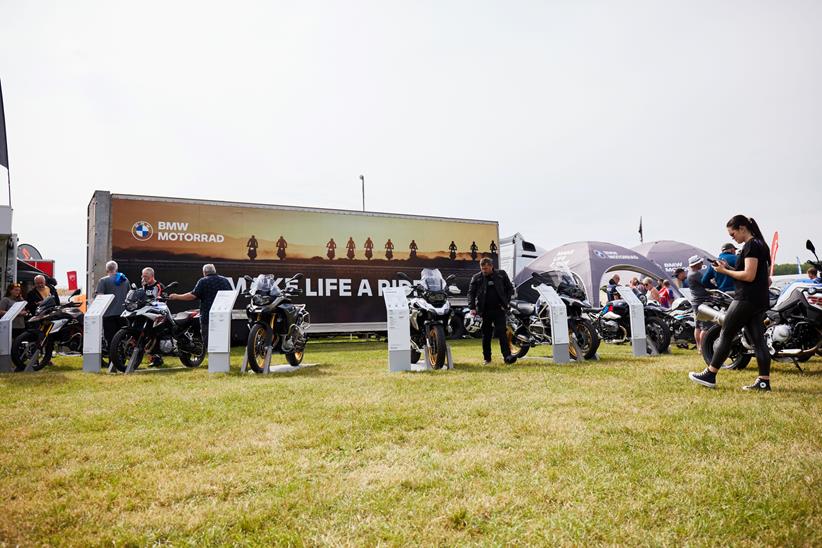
<point x="705" y="313"/>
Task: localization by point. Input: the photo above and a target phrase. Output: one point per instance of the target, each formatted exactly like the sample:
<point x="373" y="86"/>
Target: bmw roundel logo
<point x="142" y="230"/>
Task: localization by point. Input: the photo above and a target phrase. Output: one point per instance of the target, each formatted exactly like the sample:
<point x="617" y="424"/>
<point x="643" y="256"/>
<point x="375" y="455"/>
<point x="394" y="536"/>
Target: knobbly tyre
<point x="274" y="322"/>
<point x="53" y="325"/>
<point x="613" y="323"/>
<point x="793" y="325"/>
<point x="429" y="314"/>
<point x="150" y="328"/>
<point x="529" y="321"/>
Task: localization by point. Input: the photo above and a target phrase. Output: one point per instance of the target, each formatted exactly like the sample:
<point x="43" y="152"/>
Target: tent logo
<point x="142" y="230"/>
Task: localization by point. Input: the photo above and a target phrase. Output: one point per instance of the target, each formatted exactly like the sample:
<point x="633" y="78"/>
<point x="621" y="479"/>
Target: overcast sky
<point x="564" y="121"/>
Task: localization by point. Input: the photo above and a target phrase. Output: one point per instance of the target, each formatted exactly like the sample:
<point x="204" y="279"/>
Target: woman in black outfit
<point x="749" y="305"/>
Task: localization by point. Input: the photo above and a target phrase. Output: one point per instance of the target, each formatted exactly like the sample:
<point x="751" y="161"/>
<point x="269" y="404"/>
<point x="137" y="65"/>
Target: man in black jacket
<point x="489" y="293"/>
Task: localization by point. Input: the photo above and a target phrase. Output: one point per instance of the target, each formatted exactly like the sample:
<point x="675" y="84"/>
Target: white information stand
<point x="559" y="323"/>
<point x="219" y="331"/>
<point x="637" y="316"/>
<point x="5" y="335"/>
<point x="399" y="330"/>
<point x="93" y="333"/>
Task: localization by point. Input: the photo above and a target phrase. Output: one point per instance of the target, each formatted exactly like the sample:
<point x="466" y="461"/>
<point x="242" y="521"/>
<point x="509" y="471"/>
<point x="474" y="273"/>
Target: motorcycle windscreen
<point x="432" y="279"/>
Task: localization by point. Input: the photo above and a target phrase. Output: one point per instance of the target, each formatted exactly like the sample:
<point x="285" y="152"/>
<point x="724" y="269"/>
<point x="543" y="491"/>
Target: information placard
<point x="637" y="317"/>
<point x="399" y="329"/>
<point x="559" y="323"/>
<point x="219" y="331"/>
<point x="5" y="335"/>
<point x="93" y="332"/>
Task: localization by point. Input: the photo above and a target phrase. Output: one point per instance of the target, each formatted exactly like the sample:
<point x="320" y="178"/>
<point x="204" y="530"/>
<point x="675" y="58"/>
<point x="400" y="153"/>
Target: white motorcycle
<point x="430" y="313"/>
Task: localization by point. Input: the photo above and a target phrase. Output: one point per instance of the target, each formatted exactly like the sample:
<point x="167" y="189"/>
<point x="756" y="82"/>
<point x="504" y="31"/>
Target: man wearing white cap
<point x="699" y="295"/>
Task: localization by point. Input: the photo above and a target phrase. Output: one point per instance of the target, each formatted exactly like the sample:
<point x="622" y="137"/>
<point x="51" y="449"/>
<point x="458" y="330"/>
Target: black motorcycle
<point x="150" y="328"/>
<point x="53" y="325"/>
<point x="529" y="322"/>
<point x="793" y="325"/>
<point x="681" y="322"/>
<point x="613" y="323"/>
<point x="429" y="314"/>
<point x="275" y="324"/>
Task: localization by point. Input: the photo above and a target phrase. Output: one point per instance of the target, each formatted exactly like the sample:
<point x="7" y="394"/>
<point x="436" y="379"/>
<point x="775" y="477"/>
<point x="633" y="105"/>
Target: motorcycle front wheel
<point x="295" y="358"/>
<point x="123" y="348"/>
<point x="259" y="341"/>
<point x="436" y="345"/>
<point x="658" y="332"/>
<point x="24" y="347"/>
<point x="738" y="359"/>
<point x="587" y="337"/>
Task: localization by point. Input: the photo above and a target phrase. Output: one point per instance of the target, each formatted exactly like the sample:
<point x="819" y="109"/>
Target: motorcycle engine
<point x="777" y="336"/>
<point x="167" y="346"/>
<point x="610" y="327"/>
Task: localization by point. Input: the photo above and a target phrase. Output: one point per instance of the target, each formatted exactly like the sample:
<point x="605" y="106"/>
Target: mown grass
<point x="623" y="451"/>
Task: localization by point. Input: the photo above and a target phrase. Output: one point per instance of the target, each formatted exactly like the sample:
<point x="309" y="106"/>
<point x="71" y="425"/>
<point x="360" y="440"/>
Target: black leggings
<point x="744" y="314"/>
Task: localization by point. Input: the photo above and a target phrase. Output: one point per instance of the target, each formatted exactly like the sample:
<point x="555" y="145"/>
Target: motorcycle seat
<point x="182" y="318"/>
<point x="524" y="307"/>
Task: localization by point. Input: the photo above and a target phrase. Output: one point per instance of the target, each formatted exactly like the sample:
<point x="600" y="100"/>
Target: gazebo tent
<point x="590" y="261"/>
<point x="670" y="254"/>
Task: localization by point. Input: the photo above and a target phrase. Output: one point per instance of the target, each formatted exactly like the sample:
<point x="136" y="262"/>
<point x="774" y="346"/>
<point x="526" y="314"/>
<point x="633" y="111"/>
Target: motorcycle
<point x="681" y="322"/>
<point x="429" y="314"/>
<point x="53" y="326"/>
<point x="275" y="324"/>
<point x="613" y="324"/>
<point x="529" y="323"/>
<point x="793" y="325"/>
<point x="150" y="328"/>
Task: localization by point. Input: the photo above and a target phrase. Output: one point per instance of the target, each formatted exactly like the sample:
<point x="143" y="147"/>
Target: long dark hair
<point x="749" y="223"/>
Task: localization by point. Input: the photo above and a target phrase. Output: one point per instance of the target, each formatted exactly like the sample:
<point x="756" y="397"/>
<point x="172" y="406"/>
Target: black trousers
<point x="493" y="325"/>
<point x="744" y="314"/>
<point x="204" y="332"/>
<point x="111" y="325"/>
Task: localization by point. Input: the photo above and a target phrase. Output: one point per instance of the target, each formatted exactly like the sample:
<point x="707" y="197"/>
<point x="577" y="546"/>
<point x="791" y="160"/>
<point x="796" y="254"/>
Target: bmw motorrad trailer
<point x="347" y="257"/>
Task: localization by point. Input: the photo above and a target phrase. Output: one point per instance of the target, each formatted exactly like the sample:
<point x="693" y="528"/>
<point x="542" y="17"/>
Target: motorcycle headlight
<point x="437" y="299"/>
<point x="261" y="300"/>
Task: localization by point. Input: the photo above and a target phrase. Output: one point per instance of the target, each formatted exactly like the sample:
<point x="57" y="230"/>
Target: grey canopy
<point x="670" y="254"/>
<point x="590" y="261"/>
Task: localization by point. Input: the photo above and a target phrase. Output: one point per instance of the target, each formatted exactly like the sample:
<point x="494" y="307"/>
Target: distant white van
<point x="515" y="253"/>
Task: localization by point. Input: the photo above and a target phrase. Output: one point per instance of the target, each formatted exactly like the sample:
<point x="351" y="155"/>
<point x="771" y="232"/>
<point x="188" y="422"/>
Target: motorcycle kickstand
<point x="796" y="363"/>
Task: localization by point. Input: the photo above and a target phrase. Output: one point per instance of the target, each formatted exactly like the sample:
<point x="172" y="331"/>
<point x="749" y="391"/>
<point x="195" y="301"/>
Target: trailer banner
<point x="347" y="257"/>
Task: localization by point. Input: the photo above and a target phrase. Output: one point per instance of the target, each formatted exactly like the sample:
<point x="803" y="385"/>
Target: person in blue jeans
<point x="711" y="278"/>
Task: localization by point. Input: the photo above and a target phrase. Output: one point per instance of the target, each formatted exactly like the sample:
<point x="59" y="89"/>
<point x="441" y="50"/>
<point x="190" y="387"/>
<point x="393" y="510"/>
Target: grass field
<point x="623" y="450"/>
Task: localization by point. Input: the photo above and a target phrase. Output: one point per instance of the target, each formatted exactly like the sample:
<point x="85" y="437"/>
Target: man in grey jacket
<point x="113" y="283"/>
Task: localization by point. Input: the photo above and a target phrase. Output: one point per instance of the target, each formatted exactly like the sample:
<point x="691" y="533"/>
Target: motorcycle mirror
<point x="453" y="290"/>
<point x="172" y="284"/>
<point x="450" y="278"/>
<point x="248" y="278"/>
<point x="133" y="285"/>
<point x="297" y="276"/>
<point x="75" y="293"/>
<point x="809" y="246"/>
<point x="403" y="276"/>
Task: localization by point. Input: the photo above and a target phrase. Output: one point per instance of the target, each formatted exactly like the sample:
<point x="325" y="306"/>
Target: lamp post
<point x="362" y="180"/>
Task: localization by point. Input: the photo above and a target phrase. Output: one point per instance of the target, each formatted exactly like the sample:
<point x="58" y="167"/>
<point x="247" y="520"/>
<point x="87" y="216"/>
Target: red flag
<point x="774" y="247"/>
<point x="72" y="280"/>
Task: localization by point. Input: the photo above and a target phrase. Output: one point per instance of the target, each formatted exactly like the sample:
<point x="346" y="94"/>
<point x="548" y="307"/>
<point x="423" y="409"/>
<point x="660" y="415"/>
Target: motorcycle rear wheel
<point x="436" y="346"/>
<point x="259" y="340"/>
<point x="190" y="360"/>
<point x="123" y="346"/>
<point x="518" y="348"/>
<point x="295" y="358"/>
<point x="738" y="361"/>
<point x="23" y="348"/>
